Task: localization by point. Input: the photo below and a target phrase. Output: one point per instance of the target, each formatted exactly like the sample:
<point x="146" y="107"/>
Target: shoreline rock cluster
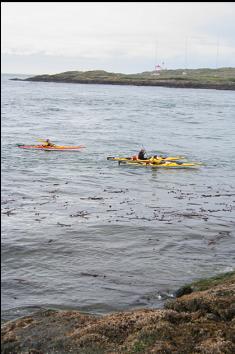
<point x="199" y="320"/>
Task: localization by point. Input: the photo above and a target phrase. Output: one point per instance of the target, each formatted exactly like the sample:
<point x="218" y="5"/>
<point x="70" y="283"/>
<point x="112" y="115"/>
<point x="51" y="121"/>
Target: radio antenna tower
<point x="156" y="55"/>
<point x="217" y="54"/>
<point x="186" y="53"/>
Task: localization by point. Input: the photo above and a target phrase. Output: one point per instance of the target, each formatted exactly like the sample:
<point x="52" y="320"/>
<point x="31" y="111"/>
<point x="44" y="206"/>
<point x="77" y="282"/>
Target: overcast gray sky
<point x="127" y="37"/>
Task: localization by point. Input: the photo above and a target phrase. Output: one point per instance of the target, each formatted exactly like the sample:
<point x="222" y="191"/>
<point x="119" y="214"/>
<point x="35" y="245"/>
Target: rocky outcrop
<point x="199" y="322"/>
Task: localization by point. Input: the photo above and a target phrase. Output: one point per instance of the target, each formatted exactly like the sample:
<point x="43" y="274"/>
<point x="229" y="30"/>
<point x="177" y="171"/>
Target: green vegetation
<point x="205" y="284"/>
<point x="223" y="78"/>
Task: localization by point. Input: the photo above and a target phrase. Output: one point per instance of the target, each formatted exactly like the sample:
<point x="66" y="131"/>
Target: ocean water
<point x="81" y="232"/>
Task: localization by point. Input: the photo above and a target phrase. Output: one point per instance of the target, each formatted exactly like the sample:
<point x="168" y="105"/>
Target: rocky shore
<point x="221" y="79"/>
<point x="199" y="320"/>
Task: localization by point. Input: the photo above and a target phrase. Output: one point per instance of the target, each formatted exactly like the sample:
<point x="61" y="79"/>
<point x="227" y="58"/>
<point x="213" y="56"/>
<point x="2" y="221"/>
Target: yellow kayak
<point x="150" y="160"/>
<point x="167" y="164"/>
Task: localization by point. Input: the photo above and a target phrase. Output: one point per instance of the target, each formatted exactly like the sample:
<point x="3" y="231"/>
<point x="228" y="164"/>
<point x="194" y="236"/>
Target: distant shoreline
<point x="158" y="84"/>
<point x="219" y="79"/>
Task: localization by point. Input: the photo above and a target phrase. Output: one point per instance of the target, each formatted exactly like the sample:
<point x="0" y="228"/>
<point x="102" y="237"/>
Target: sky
<point x="127" y="37"/>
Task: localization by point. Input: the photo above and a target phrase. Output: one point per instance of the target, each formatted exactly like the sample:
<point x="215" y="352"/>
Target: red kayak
<point x="52" y="148"/>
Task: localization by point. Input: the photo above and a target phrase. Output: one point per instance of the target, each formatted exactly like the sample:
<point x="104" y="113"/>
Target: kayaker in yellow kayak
<point x="156" y="160"/>
<point x="48" y="143"/>
<point x="141" y="155"/>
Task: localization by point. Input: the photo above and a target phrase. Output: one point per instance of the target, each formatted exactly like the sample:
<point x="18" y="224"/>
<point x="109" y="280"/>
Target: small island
<point x="220" y="79"/>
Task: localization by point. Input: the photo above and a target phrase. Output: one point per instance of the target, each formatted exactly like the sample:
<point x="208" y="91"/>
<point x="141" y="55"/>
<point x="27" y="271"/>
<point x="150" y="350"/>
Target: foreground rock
<point x="199" y="322"/>
<point x="221" y="79"/>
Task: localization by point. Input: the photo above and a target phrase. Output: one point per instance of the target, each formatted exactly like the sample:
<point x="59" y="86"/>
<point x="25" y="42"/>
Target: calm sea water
<point x="81" y="232"/>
